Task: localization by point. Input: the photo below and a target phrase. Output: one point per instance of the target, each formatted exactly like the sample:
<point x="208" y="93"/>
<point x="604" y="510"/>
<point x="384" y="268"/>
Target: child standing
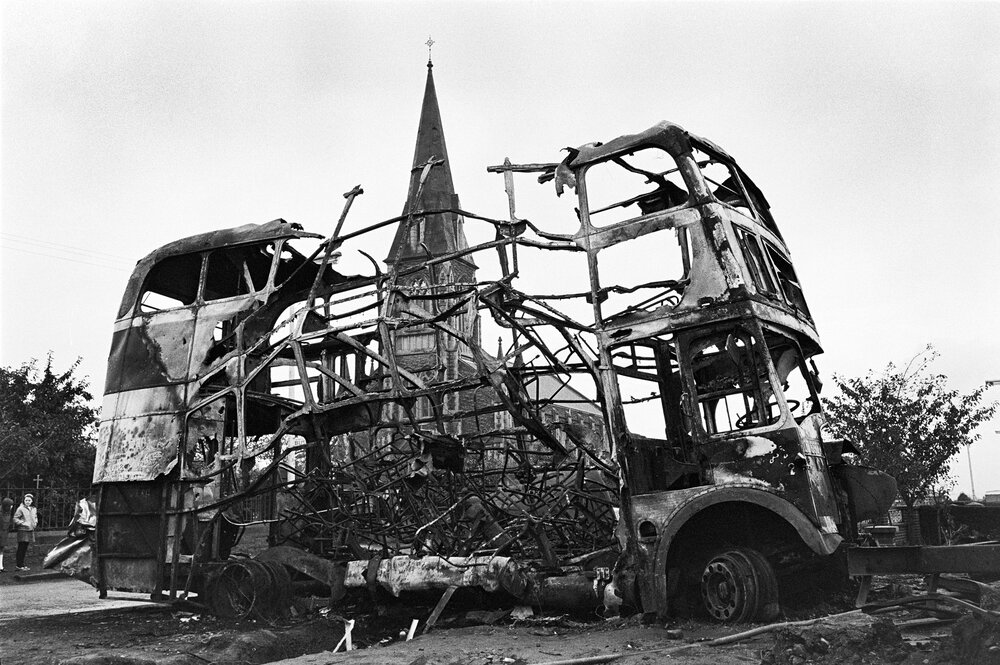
<point x="25" y="519"/>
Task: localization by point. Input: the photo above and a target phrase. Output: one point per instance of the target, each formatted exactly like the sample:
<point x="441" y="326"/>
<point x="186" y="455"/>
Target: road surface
<point x="60" y="596"/>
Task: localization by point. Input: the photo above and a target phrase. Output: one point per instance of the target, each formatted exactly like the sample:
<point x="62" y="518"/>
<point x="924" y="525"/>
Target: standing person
<point x="6" y="524"/>
<point x="25" y="519"/>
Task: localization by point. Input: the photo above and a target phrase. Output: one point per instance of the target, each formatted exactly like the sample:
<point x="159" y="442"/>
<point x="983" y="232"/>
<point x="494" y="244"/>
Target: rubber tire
<point x="738" y="585"/>
<point x="280" y="587"/>
<point x="239" y="589"/>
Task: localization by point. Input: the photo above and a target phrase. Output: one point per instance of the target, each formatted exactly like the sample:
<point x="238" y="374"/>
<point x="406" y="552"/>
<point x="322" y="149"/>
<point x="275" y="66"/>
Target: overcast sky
<point x="873" y="130"/>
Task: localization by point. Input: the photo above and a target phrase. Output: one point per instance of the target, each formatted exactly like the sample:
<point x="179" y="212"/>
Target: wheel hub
<point x="739" y="585"/>
<point x="721" y="588"/>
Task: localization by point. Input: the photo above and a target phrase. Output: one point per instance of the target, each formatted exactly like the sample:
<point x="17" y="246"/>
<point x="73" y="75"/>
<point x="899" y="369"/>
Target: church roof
<point x="546" y="389"/>
<point x="441" y="233"/>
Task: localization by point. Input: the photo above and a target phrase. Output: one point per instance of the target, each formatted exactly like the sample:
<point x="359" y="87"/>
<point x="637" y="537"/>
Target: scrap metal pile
<point x="401" y="459"/>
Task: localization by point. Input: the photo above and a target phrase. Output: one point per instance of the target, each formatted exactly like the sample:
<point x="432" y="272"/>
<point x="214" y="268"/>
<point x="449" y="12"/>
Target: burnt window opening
<point x="210" y="432"/>
<point x="723" y="181"/>
<point x="787" y="279"/>
<point x="223" y="341"/>
<point x="642" y="287"/>
<point x="236" y="271"/>
<point x="286" y="262"/>
<point x="650" y="387"/>
<point x="732" y="382"/>
<point x="730" y="185"/>
<point x="649" y="384"/>
<point x="793" y="375"/>
<point x="753" y="257"/>
<point x="353" y="309"/>
<point x="761" y="206"/>
<point x="171" y="283"/>
<point x="640" y="183"/>
<point x="294" y="271"/>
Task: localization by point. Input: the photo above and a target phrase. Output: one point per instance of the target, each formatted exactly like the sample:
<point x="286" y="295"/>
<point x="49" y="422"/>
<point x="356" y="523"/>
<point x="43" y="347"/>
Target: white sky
<point x="873" y="129"/>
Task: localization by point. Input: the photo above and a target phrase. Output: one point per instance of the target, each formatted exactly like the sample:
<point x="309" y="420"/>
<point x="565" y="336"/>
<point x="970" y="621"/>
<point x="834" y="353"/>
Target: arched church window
<point x="418" y="287"/>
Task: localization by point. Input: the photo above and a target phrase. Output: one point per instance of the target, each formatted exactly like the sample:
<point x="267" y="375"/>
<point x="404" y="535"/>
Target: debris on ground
<point x="253" y="646"/>
<point x="821" y="644"/>
<point x="975" y="641"/>
<point x="522" y="612"/>
<point x="476" y="617"/>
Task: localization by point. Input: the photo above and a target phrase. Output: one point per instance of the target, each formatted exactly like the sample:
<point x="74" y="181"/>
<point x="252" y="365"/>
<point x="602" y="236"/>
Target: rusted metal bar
<point x="439" y="608"/>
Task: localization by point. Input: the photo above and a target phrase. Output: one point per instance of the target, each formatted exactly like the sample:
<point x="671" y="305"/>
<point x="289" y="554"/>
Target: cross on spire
<point x="430" y="43"/>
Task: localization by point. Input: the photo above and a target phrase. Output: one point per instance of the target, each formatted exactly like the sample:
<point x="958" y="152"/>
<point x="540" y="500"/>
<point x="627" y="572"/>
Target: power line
<point x="67" y="258"/>
<point x="65" y="248"/>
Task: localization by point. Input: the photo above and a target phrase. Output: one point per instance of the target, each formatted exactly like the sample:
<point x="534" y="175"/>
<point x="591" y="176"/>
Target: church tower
<point x="422" y="237"/>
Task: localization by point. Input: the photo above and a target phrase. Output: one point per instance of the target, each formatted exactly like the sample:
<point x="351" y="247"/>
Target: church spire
<point x="441" y="233"/>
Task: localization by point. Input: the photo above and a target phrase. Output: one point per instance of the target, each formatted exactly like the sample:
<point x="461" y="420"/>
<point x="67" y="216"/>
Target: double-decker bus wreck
<point x="663" y="449"/>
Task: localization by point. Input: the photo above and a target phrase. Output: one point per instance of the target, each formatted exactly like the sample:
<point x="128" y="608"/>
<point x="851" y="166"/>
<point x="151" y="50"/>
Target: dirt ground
<point x="48" y="640"/>
<point x="470" y="632"/>
<point x="158" y="633"/>
<point x="163" y="636"/>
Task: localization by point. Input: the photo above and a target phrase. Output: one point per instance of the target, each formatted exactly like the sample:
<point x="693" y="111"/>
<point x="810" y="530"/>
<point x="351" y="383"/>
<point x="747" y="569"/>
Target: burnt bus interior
<point x="365" y="421"/>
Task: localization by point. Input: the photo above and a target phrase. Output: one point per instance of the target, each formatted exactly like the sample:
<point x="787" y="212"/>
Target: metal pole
<point x="972" y="483"/>
<point x="989" y="384"/>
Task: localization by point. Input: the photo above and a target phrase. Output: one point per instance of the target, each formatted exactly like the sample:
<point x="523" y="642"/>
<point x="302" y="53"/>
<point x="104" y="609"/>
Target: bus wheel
<point x="739" y="585"/>
<point x="239" y="588"/>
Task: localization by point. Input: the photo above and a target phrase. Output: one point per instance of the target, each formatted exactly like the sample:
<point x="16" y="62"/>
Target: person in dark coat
<point x="26" y="521"/>
<point x="6" y="525"/>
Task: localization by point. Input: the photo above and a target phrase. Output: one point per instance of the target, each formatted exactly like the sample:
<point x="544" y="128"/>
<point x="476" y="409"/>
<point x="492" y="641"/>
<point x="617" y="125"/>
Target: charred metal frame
<point x="366" y="461"/>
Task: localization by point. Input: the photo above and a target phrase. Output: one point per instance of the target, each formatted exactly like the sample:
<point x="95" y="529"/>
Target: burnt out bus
<point x="647" y="432"/>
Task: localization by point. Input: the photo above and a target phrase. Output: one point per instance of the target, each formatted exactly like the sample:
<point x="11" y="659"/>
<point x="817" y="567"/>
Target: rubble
<point x="975" y="641"/>
<point x="873" y="644"/>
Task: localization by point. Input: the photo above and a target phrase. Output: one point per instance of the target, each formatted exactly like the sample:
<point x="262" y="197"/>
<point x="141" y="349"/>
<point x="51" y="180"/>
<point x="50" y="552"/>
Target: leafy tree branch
<point x="907" y="422"/>
<point x="48" y="425"/>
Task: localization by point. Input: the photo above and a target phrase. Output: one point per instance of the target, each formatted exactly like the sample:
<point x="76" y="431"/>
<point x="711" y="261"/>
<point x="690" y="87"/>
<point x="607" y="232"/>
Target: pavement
<point x="63" y="595"/>
<point x="40" y="592"/>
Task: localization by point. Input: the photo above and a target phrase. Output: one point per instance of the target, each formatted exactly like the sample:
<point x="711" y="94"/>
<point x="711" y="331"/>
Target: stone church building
<point x="433" y="354"/>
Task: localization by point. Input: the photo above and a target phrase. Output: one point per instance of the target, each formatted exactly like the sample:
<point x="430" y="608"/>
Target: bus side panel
<point x="128" y="536"/>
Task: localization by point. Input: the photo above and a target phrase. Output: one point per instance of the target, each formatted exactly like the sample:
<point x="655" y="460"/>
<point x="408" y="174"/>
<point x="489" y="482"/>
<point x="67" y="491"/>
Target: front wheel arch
<point x="729" y="517"/>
